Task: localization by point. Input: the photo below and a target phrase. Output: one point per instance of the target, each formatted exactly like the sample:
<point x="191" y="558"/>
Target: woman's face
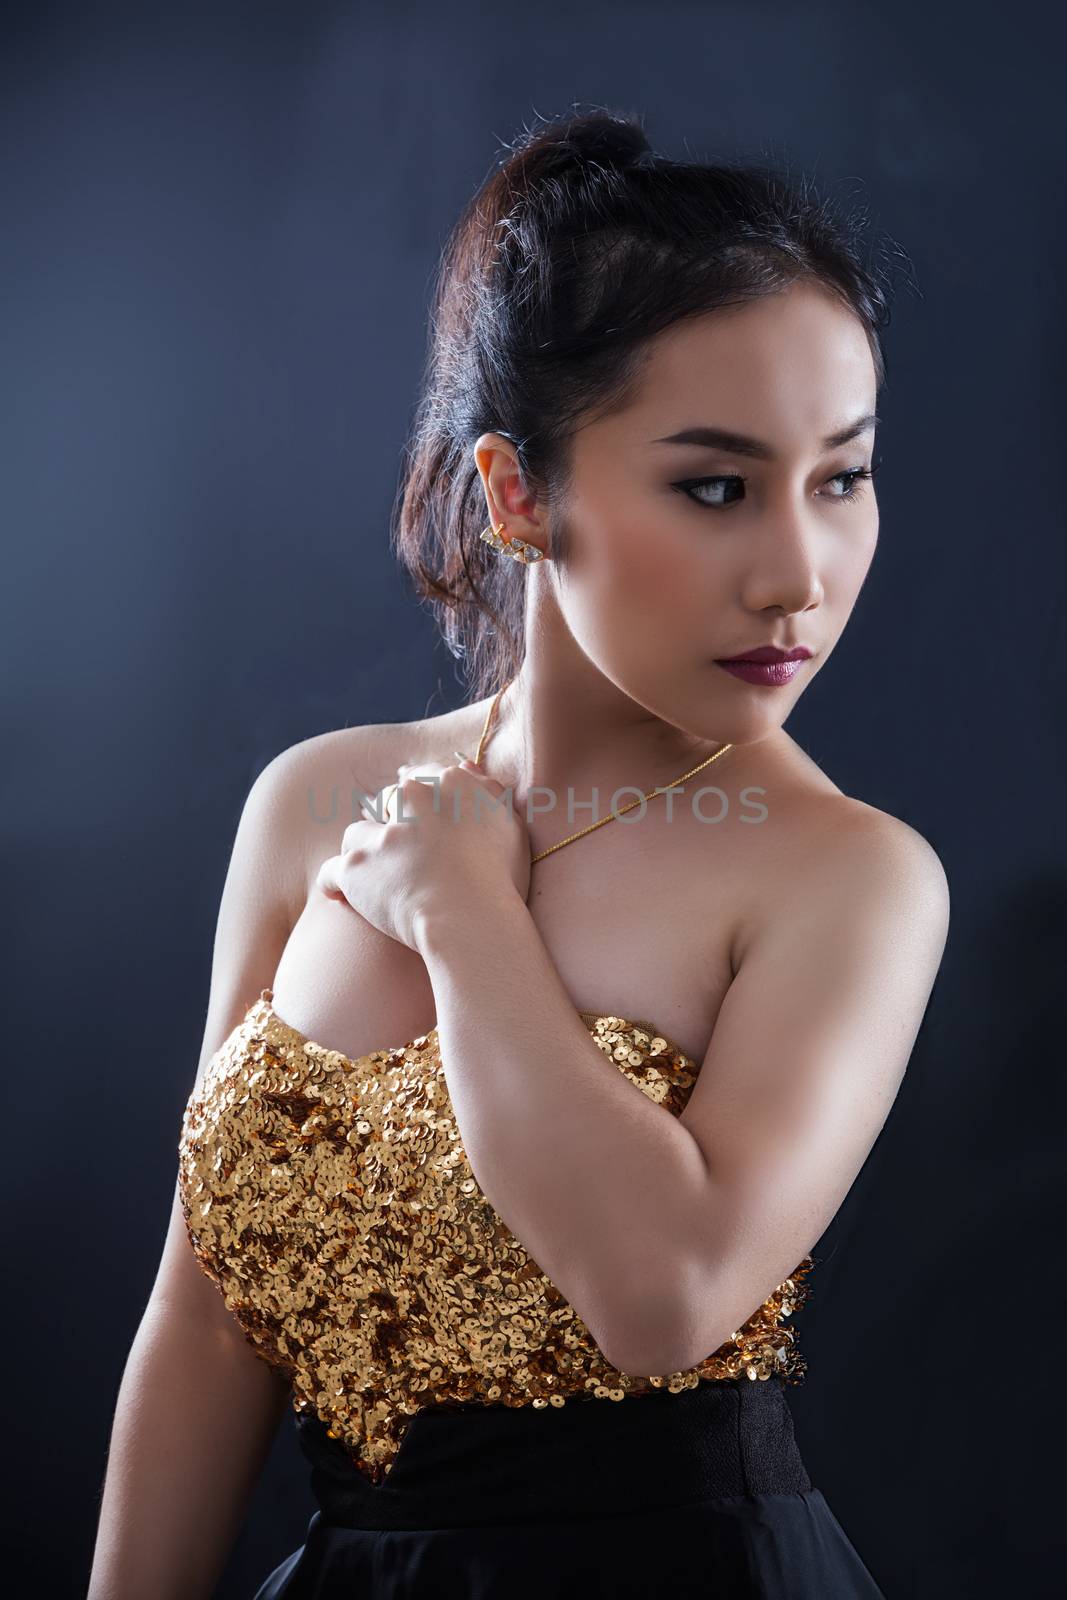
<point x="682" y="553"/>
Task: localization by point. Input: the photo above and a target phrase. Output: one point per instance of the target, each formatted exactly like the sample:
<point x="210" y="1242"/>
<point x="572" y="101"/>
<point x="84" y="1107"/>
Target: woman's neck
<point x="574" y="734"/>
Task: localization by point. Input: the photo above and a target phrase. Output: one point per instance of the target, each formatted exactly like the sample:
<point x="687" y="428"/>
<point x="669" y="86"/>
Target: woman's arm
<point x="582" y="1166"/>
<point x="197" y="1406"/>
<point x="809" y="1050"/>
<point x="665" y="1233"/>
<point x="194" y="1419"/>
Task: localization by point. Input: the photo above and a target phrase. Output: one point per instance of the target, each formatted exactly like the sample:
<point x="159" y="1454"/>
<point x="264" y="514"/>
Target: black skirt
<point x="701" y="1493"/>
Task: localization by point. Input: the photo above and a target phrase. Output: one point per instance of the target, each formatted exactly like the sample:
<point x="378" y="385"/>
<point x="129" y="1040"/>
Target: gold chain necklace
<point x="660" y="789"/>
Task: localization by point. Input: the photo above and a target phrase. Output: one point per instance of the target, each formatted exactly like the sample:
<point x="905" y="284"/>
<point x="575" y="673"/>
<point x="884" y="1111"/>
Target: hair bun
<point x="611" y="140"/>
<point x="597" y="138"/>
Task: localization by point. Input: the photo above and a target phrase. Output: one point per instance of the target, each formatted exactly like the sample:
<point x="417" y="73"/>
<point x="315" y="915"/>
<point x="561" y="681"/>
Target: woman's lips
<point x="771" y="673"/>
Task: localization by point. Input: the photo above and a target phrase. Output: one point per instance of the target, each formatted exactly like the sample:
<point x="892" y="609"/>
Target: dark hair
<point x="582" y="246"/>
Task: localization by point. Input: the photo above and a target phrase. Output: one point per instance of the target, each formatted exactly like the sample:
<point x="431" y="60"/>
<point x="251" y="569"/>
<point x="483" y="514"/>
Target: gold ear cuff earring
<point x="517" y="549"/>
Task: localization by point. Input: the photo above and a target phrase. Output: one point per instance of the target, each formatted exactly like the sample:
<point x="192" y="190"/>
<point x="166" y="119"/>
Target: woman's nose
<point x="787" y="576"/>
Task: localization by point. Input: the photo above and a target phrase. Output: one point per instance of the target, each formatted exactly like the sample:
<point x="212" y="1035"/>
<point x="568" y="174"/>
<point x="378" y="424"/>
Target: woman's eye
<point x="728" y="489"/>
<point x="691" y="485"/>
<point x="853" y="481"/>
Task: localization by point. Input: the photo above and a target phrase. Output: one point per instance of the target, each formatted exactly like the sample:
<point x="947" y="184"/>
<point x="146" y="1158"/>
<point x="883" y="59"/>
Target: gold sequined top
<point x="332" y="1202"/>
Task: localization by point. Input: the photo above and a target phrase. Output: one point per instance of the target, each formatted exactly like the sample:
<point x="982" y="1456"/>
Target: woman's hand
<point x="453" y="841"/>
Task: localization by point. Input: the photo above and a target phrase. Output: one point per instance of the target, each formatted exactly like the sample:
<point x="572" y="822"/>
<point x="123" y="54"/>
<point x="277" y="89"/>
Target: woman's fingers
<point x="352" y="835"/>
<point x="327" y="879"/>
<point x="330" y="874"/>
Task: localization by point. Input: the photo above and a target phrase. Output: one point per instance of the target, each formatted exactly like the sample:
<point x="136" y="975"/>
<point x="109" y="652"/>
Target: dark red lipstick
<point x="765" y="664"/>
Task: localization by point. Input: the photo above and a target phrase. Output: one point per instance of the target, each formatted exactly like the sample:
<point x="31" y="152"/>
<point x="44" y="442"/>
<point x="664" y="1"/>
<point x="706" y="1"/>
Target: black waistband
<point x="483" y="1464"/>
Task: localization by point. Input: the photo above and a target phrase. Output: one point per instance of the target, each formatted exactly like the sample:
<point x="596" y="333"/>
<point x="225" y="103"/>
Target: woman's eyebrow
<point x="739" y="444"/>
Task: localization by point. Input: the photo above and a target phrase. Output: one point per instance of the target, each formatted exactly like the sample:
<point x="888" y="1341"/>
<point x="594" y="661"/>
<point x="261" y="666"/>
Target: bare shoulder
<point x="823" y="824"/>
<point x="369" y="753"/>
<point x="312" y="788"/>
<point x="887" y="842"/>
<point x="836" y="859"/>
<point x="873" y="865"/>
<point x="352" y="755"/>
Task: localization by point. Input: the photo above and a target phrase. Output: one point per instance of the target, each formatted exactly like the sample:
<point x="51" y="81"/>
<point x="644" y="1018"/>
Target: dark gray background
<point x="219" y="226"/>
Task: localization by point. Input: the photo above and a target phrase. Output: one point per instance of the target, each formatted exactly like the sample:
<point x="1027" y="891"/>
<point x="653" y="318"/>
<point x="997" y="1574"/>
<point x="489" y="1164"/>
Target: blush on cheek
<point x="654" y="576"/>
<point x="630" y="544"/>
<point x="631" y="569"/>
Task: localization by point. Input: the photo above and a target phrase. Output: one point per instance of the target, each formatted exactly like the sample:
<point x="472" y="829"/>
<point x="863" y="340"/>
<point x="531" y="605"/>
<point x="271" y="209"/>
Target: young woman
<point x="524" y="1098"/>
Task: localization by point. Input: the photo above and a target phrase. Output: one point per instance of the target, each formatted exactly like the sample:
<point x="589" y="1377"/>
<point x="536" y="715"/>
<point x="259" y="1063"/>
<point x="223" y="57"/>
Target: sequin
<point x="332" y="1203"/>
